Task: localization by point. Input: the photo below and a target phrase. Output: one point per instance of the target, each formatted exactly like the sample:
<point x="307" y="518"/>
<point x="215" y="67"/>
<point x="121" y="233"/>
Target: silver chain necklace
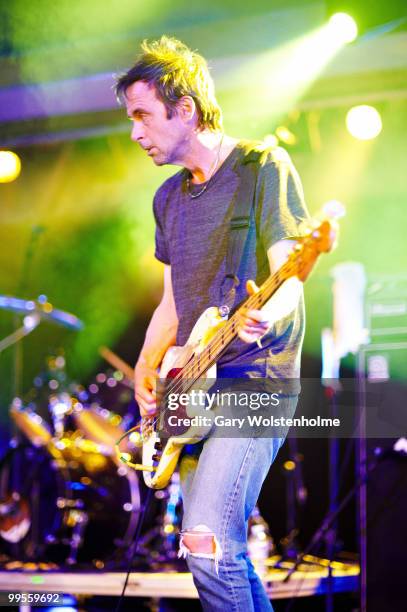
<point x="205" y="187"/>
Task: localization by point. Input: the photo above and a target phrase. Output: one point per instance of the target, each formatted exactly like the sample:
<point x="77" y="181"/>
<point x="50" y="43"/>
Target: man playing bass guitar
<point x="169" y="97"/>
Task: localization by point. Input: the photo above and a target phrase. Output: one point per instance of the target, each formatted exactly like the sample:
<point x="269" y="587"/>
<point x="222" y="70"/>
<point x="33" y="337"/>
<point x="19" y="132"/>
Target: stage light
<point x="273" y="82"/>
<point x="270" y="140"/>
<point x="381" y="16"/>
<point x="10" y="166"/>
<point x="364" y="122"/>
<point x="285" y="135"/>
<point x="343" y="27"/>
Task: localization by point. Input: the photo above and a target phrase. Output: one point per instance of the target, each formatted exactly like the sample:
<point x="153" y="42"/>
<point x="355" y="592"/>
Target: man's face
<point x="165" y="140"/>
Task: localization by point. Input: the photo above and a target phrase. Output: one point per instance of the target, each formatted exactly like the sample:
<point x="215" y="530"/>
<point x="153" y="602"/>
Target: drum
<point x="66" y="508"/>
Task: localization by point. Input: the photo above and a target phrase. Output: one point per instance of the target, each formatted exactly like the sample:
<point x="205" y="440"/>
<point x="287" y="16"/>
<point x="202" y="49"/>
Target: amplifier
<point x="386" y="307"/>
<point x="382" y="498"/>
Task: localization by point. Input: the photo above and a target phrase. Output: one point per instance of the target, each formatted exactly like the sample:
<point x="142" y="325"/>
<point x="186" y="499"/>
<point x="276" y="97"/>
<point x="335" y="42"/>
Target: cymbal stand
<point x="29" y="324"/>
<point x="36" y="231"/>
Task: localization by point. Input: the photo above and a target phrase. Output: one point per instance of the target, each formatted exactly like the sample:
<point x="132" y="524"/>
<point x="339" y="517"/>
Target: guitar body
<point x="173" y="362"/>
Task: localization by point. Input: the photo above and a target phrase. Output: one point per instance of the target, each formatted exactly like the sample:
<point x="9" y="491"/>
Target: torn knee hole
<point x="200" y="541"/>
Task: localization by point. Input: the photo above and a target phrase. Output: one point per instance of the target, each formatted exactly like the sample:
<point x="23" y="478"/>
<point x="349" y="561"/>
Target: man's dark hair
<point x="175" y="71"/>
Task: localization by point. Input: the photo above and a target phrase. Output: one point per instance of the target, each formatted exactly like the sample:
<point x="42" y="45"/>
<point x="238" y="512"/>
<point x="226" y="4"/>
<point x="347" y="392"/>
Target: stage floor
<point x="311" y="578"/>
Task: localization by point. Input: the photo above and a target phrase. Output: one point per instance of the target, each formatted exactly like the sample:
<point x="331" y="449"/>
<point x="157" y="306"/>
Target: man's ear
<point x="186" y="108"/>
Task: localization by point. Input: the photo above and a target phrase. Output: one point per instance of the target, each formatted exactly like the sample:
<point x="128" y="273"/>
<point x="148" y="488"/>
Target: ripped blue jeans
<point x="220" y="490"/>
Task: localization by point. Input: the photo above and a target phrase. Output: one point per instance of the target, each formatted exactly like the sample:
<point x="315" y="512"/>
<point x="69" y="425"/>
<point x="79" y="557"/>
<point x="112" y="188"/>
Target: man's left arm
<point x="282" y="217"/>
<point x="255" y="324"/>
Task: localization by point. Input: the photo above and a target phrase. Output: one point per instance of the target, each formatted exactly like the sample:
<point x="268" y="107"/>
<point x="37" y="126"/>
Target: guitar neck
<point x="199" y="364"/>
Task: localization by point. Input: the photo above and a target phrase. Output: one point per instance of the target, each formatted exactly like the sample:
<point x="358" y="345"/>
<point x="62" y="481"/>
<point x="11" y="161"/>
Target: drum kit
<point x="65" y="497"/>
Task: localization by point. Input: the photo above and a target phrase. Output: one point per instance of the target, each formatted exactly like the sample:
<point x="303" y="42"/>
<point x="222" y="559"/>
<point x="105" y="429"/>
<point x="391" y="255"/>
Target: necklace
<point x="213" y="169"/>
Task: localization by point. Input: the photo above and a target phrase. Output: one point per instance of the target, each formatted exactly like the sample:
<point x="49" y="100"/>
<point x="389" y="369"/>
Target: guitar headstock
<point x="321" y="239"/>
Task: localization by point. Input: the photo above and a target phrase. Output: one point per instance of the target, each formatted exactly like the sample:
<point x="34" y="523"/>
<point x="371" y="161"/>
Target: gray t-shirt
<point x="192" y="237"/>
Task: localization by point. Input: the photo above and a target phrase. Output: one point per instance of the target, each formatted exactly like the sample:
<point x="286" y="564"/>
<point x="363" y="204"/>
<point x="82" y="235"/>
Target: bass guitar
<point x="183" y="366"/>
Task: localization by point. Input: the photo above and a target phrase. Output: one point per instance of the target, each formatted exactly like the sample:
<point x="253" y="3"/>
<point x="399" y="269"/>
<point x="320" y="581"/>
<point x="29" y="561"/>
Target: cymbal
<point x="97" y="428"/>
<point x="31" y="424"/>
<point x="43" y="308"/>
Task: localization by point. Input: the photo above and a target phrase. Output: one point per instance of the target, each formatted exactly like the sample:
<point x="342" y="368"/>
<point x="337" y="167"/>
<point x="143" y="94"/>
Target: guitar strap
<point x="242" y="217"/>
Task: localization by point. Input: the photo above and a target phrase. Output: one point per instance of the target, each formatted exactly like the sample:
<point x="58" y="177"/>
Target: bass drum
<point x="67" y="511"/>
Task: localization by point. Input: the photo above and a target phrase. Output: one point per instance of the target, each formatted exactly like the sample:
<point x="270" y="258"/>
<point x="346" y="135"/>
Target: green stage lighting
<point x="373" y="16"/>
<point x="343" y="27"/>
<point x="364" y="122"/>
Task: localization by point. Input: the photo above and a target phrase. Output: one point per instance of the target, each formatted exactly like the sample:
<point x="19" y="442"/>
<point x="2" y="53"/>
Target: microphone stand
<point x="330" y="518"/>
<point x="331" y="382"/>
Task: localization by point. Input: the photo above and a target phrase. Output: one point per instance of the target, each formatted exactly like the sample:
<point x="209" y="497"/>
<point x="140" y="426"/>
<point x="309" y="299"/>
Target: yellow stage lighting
<point x="286" y="135"/>
<point x="10" y="166"/>
<point x="270" y="140"/>
<point x="364" y="122"/>
<point x="343" y="27"/>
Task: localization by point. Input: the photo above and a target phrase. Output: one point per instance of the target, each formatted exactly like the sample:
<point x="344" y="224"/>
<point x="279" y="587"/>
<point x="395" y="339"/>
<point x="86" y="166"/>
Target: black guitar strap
<point x="243" y="216"/>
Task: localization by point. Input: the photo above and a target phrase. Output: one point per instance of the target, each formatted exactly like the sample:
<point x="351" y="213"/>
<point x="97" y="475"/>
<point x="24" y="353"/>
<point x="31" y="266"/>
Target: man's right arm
<point x="161" y="334"/>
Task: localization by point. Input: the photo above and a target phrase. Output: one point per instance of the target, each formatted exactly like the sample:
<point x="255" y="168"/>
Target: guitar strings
<point x="224" y="335"/>
<point x="229" y="329"/>
<point x="179" y="385"/>
<point x="270" y="285"/>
